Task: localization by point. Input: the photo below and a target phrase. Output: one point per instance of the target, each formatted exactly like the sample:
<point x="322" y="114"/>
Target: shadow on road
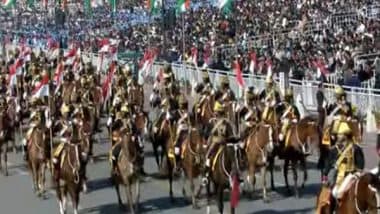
<point x="299" y="211"/>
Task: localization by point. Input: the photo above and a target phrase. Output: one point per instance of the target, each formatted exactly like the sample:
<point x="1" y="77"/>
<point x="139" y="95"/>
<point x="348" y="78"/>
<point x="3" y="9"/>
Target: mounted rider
<point x="345" y="162"/>
<point x="135" y="93"/>
<point x="183" y="126"/>
<point x="204" y="89"/>
<point x="249" y="112"/>
<point x="225" y="91"/>
<point x="290" y="114"/>
<point x="338" y="112"/>
<point x="222" y="132"/>
<point x="270" y="97"/>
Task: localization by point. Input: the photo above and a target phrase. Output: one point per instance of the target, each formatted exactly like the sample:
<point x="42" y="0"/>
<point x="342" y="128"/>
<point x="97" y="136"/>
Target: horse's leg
<point x="128" y="192"/>
<point x="295" y="177"/>
<point x="34" y="170"/>
<point x="208" y="198"/>
<point x="170" y="174"/>
<point x="117" y="188"/>
<point x="303" y="166"/>
<point x="42" y="178"/>
<point x="264" y="183"/>
<point x="137" y="200"/>
<point x="74" y="192"/>
<point x="6" y="160"/>
<point x="220" y="198"/>
<point x="251" y="179"/>
<point x="285" y="171"/>
<point x="192" y="188"/>
<point x="184" y="179"/>
<point x="271" y="169"/>
<point x="155" y="152"/>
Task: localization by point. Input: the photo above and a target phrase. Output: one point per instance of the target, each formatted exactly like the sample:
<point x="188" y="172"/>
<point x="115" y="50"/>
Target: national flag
<point x="106" y="87"/>
<point x="87" y="7"/>
<point x="58" y="76"/>
<point x="15" y="70"/>
<point x="8" y="4"/>
<point x="183" y="5"/>
<point x="225" y="6"/>
<point x="153" y="5"/>
<point x="53" y="48"/>
<point x="239" y="76"/>
<point x="113" y="5"/>
<point x="70" y="56"/>
<point x="252" y="62"/>
<point x="41" y="88"/>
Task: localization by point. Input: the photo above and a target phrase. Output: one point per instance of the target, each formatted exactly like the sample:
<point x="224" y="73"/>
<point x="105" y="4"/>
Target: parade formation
<point x="56" y="108"/>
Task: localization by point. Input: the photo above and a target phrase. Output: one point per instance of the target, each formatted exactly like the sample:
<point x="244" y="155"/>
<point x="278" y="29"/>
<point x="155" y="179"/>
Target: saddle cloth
<point x="339" y="190"/>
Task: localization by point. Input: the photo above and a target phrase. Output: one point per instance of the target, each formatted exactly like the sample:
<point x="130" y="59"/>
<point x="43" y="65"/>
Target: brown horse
<point x="127" y="170"/>
<point x="300" y="137"/>
<point x="259" y="144"/>
<point x="192" y="158"/>
<point x="39" y="155"/>
<point x="360" y="197"/>
<point x="224" y="171"/>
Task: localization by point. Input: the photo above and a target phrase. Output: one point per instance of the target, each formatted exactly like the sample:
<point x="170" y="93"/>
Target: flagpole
<point x="51" y="125"/>
<point x="183" y="50"/>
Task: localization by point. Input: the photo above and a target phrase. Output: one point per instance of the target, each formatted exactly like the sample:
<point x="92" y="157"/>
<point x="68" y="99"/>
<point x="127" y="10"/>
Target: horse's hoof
<point x="122" y="207"/>
<point x="196" y="206"/>
<point x="266" y="200"/>
<point x="6" y="173"/>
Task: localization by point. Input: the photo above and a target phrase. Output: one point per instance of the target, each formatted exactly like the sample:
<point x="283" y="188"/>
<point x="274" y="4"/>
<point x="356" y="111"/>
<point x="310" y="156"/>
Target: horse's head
<point x="234" y="155"/>
<point x="130" y="146"/>
<point x="308" y="128"/>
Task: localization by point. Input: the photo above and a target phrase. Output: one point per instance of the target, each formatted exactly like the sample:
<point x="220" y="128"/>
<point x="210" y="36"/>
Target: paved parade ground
<point x="16" y="195"/>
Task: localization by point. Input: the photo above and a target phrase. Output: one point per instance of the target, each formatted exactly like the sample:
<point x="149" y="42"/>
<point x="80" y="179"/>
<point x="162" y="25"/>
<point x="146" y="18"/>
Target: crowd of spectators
<point x="296" y="36"/>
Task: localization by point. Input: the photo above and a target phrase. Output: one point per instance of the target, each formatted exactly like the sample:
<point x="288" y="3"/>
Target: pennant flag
<point x="235" y="191"/>
<point x="106" y="87"/>
<point x="58" y="76"/>
<point x="15" y="70"/>
<point x="70" y="56"/>
<point x="252" y="62"/>
<point x="194" y="56"/>
<point x="53" y="48"/>
<point x="146" y="64"/>
<point x="269" y="65"/>
<point x="41" y="88"/>
<point x="225" y="6"/>
<point x="183" y="5"/>
<point x="239" y="76"/>
<point x="8" y="4"/>
<point x="321" y="68"/>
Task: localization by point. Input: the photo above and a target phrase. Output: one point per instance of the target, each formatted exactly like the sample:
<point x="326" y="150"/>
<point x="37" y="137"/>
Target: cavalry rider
<point x="249" y="112"/>
<point x="290" y="115"/>
<point x="205" y="89"/>
<point x="66" y="131"/>
<point x="225" y="90"/>
<point x="135" y="93"/>
<point x="222" y="132"/>
<point x="34" y="121"/>
<point x="339" y="111"/>
<point x="270" y="97"/>
<point x="117" y="127"/>
<point x="183" y="126"/>
<point x="345" y="160"/>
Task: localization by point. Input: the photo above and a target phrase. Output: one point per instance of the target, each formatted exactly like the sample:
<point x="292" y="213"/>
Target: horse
<point x="361" y="197"/>
<point x="204" y="112"/>
<point x="5" y="136"/>
<point x="192" y="159"/>
<point x="298" y="137"/>
<point x="38" y="155"/>
<point x="127" y="170"/>
<point x="71" y="171"/>
<point x="258" y="145"/>
<point x="224" y="173"/>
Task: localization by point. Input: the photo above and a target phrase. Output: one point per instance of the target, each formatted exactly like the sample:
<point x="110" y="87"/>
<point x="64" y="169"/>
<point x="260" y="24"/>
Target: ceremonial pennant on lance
<point x="41" y="88"/>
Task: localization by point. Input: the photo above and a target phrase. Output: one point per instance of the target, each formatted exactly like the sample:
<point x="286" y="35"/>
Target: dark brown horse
<point x="301" y="137"/>
<point x="259" y="144"/>
<point x="360" y="197"/>
<point x="127" y="170"/>
<point x="38" y="154"/>
<point x="5" y="137"/>
<point x="71" y="171"/>
<point x="224" y="173"/>
<point x="192" y="158"/>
